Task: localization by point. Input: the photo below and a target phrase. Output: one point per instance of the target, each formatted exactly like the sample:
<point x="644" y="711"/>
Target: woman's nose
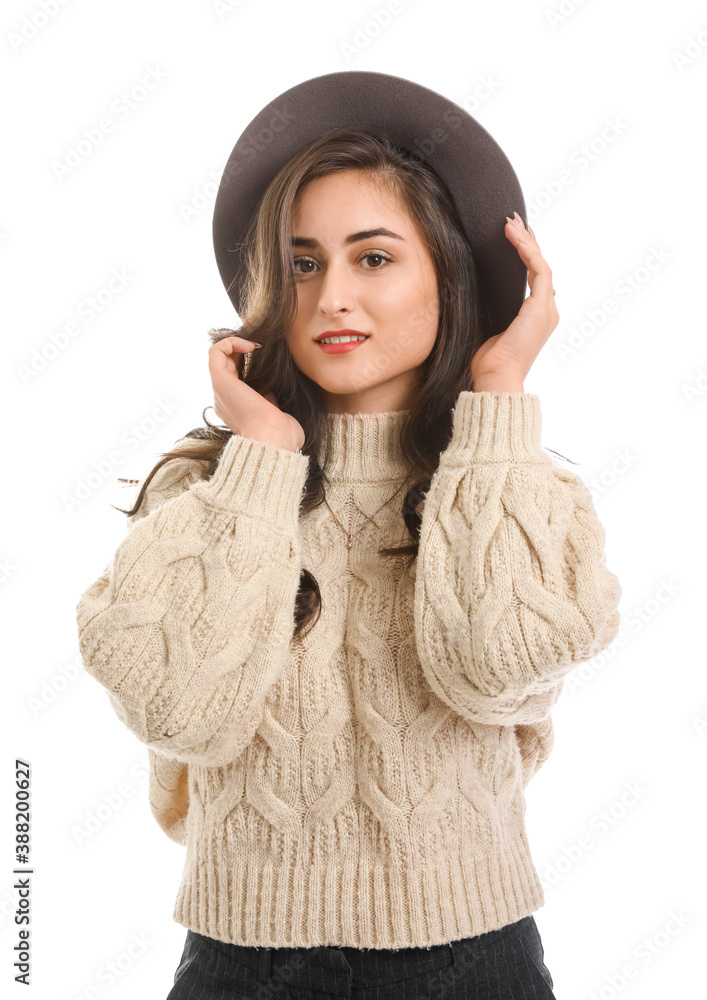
<point x="336" y="290"/>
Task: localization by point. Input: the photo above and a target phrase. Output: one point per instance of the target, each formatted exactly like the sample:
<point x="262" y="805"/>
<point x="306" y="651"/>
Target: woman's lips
<point x="350" y="345"/>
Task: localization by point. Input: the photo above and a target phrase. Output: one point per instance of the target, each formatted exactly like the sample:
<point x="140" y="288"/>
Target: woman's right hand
<point x="240" y="407"/>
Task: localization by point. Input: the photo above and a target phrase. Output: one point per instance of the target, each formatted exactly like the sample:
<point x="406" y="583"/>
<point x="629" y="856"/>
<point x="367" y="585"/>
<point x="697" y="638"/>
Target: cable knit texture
<point x="362" y="786"/>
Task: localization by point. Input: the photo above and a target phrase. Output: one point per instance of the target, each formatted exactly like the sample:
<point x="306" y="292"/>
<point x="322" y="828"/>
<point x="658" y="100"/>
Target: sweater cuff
<point x="496" y="427"/>
<point x="257" y="479"/>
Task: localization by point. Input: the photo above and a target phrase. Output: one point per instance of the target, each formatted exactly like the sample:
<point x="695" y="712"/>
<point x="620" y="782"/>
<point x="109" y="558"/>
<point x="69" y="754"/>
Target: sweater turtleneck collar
<point x="364" y="447"/>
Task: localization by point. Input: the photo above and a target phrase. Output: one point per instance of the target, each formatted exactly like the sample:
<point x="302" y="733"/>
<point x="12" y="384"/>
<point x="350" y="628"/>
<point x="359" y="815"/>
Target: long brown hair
<point x="271" y="304"/>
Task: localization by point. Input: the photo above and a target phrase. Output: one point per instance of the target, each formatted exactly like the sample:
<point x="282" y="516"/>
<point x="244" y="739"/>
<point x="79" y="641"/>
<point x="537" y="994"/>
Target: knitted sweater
<point x="364" y="785"/>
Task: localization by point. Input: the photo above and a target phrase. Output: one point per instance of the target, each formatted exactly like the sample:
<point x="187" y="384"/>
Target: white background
<point x="624" y="395"/>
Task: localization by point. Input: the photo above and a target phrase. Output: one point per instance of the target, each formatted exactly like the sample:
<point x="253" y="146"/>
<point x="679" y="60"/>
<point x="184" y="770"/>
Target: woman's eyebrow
<point x="365" y="234"/>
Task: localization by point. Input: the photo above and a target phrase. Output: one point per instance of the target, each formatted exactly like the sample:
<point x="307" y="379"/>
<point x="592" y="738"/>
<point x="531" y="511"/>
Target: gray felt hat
<point x="473" y="166"/>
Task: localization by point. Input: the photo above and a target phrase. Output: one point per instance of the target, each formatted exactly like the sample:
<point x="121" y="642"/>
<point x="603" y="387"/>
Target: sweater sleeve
<point x="512" y="588"/>
<point x="191" y="623"/>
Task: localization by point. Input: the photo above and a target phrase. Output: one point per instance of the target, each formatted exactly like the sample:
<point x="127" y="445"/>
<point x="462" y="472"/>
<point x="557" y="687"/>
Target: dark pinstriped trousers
<point x="505" y="964"/>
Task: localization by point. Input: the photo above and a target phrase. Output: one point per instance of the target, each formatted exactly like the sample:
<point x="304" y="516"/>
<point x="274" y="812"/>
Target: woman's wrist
<point x="497" y="385"/>
<point x="264" y="437"/>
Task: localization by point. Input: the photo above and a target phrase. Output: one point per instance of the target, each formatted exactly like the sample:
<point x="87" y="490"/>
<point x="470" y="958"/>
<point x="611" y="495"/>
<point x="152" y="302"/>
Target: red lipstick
<point x="342" y="348"/>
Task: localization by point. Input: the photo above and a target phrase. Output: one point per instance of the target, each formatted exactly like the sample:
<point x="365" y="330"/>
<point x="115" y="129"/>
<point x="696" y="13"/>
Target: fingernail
<point x="519" y="221"/>
<point x="257" y="345"/>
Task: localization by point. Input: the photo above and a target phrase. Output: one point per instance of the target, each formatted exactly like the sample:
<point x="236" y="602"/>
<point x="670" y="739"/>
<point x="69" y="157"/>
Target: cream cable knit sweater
<point x="363" y="786"/>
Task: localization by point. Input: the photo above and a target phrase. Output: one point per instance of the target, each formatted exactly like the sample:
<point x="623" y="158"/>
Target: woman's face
<point x="381" y="285"/>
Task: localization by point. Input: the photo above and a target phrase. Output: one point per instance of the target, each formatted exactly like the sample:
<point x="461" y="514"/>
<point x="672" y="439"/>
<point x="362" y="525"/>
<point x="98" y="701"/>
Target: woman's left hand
<point x="503" y="361"/>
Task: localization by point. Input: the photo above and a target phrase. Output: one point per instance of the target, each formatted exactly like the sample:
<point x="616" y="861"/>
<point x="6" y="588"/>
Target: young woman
<point x="340" y="621"/>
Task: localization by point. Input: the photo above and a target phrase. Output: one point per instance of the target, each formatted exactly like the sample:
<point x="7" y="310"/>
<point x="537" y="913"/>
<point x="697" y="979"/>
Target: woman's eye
<point x="380" y="256"/>
<point x="371" y="254"/>
<point x="303" y="260"/>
